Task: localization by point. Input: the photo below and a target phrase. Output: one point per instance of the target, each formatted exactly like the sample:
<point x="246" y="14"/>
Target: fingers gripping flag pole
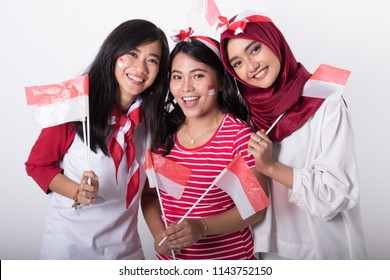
<point x="56" y="104"/>
<point x="242" y="186"/>
<point x="167" y="175"/>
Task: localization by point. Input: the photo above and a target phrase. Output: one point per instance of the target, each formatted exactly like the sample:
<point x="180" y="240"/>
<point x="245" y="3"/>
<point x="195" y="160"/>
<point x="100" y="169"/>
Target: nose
<point x="187" y="86"/>
<point x="253" y="65"/>
<point x="141" y="65"/>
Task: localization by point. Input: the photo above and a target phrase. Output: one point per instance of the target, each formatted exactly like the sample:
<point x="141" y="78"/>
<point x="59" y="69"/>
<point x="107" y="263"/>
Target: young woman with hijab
<point x="130" y="67"/>
<point x="304" y="144"/>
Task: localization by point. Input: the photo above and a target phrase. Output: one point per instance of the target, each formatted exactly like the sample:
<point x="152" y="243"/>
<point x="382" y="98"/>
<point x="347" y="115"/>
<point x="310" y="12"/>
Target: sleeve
<point x="45" y="155"/>
<point x="330" y="183"/>
<point x="240" y="145"/>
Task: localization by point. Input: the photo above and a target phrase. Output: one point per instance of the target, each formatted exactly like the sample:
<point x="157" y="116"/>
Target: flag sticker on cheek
<point x="211" y="90"/>
<point x="120" y="62"/>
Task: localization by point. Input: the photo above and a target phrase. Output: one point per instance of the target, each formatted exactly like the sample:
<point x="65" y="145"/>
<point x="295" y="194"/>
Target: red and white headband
<point x="185" y="36"/>
<point x="240" y="22"/>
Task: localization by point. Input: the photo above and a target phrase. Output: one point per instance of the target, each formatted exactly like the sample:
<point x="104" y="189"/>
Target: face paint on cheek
<point x="120" y="62"/>
<point x="211" y="90"/>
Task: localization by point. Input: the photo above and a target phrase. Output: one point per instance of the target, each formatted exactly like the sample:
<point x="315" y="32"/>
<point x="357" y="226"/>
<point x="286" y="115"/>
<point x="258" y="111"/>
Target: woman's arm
<point x="191" y="230"/>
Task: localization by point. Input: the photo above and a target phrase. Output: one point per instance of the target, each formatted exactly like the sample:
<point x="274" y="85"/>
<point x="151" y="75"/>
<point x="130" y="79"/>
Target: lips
<point x="190" y="98"/>
<point x="261" y="74"/>
<point x="135" y="79"/>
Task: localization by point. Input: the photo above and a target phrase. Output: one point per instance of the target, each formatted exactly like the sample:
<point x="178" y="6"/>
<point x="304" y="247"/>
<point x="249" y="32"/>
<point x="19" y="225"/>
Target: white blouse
<point x="319" y="218"/>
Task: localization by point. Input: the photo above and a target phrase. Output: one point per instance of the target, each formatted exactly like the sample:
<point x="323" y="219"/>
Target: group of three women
<point x="302" y="152"/>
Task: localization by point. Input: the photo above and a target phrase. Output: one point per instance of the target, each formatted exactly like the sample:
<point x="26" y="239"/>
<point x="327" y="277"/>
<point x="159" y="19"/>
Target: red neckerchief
<point x="121" y="139"/>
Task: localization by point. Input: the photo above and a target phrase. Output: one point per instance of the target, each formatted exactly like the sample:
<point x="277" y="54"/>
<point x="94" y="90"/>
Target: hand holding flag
<point x="242" y="186"/>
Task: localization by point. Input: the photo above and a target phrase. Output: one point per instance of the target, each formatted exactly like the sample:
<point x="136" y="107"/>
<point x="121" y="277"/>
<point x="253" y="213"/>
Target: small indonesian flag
<point x="202" y="11"/>
<point x="212" y="13"/>
<point x="242" y="186"/>
<point x="59" y="103"/>
<point x="166" y="174"/>
<point x="325" y="81"/>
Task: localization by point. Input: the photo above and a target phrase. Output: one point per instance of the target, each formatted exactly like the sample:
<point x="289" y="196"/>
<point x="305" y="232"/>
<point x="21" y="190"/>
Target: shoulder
<point x="235" y="123"/>
<point x="59" y="135"/>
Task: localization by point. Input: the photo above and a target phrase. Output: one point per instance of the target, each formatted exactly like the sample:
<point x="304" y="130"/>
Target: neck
<point x="200" y="130"/>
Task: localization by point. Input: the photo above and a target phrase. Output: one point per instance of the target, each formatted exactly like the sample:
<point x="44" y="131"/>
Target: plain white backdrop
<point x="44" y="42"/>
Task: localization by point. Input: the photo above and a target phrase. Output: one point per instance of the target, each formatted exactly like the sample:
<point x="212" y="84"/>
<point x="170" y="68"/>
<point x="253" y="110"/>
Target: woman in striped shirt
<point x="203" y="129"/>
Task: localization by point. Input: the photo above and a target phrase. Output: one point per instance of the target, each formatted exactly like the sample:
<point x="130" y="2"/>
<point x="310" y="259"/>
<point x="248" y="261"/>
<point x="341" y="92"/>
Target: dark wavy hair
<point x="103" y="86"/>
<point x="228" y="99"/>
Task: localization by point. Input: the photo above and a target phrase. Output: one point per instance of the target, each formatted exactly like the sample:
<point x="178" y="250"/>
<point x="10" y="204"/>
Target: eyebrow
<point x="152" y="54"/>
<point x="192" y="71"/>
<point x="246" y="49"/>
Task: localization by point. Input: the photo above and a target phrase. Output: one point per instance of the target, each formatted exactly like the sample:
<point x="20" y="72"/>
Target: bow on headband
<point x="239" y="24"/>
<point x="185" y="36"/>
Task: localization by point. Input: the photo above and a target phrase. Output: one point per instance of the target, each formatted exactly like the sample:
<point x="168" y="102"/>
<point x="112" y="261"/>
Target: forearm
<point x="64" y="186"/>
<point x="230" y="221"/>
<point x="281" y="173"/>
<point x="152" y="214"/>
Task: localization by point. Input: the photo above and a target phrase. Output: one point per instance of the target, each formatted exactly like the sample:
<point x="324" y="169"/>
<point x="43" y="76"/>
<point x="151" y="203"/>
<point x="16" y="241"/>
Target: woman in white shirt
<point x="304" y="144"/>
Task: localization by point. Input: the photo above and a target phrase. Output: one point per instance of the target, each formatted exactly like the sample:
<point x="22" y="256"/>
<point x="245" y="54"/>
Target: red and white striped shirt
<point x="207" y="162"/>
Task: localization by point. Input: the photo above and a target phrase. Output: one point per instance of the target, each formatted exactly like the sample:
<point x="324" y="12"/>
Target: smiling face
<point x="253" y="62"/>
<point x="136" y="71"/>
<point x="192" y="85"/>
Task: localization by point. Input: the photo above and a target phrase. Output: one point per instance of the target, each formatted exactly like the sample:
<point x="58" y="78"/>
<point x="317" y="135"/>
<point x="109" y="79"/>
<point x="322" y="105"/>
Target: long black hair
<point x="229" y="99"/>
<point x="103" y="86"/>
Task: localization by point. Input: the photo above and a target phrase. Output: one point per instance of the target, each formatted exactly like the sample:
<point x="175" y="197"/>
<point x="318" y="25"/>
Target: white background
<point x="46" y="41"/>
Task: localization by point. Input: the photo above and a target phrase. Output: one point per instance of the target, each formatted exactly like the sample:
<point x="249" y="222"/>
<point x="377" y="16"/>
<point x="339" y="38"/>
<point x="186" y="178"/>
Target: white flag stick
<point x="87" y="149"/>
<point x="161" y="205"/>
<point x="197" y="202"/>
<point x="275" y="122"/>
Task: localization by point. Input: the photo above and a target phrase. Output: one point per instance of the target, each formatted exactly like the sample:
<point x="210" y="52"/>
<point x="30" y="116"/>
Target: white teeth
<point x="190" y="98"/>
<point x="260" y="73"/>
<point x="135" y="78"/>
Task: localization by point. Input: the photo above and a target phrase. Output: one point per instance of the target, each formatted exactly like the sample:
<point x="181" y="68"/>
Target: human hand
<point x="163" y="248"/>
<point x="88" y="188"/>
<point x="184" y="234"/>
<point x="260" y="147"/>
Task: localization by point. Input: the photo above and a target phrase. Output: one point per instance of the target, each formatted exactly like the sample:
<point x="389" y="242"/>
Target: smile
<point x="190" y="98"/>
<point x="134" y="78"/>
<point x="261" y="73"/>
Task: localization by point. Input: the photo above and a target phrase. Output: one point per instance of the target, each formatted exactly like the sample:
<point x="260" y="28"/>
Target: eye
<point x="236" y="64"/>
<point x="176" y="77"/>
<point x="133" y="54"/>
<point x="255" y="49"/>
<point x="198" y="76"/>
<point x="153" y="60"/>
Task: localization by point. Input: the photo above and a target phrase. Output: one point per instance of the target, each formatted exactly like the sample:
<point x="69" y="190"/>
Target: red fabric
<point x="265" y="105"/>
<point x="49" y="149"/>
<point x="116" y="151"/>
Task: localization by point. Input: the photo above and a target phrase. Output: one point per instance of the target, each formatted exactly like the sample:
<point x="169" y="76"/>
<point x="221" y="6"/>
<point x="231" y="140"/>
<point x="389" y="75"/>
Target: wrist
<point x="76" y="199"/>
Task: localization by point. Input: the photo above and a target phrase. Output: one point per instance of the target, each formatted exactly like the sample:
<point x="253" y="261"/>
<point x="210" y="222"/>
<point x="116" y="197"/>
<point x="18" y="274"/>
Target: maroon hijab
<point x="285" y="95"/>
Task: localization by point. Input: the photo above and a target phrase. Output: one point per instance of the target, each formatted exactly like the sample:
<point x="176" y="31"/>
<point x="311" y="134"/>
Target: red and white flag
<point x="325" y="81"/>
<point x="166" y="174"/>
<point x="242" y="186"/>
<point x="203" y="11"/>
<point x="59" y="103"/>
